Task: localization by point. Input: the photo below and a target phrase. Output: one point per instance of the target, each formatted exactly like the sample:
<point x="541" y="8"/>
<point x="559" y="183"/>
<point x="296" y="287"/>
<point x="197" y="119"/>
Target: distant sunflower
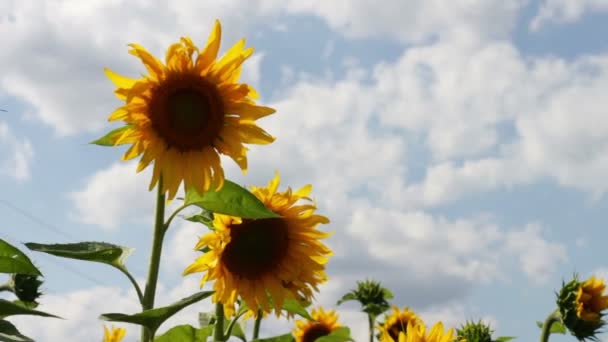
<point x="417" y="333"/>
<point x="113" y="334"/>
<point x="324" y="324"/>
<point x="184" y="113"/>
<point x="265" y="261"/>
<point x="396" y="323"/>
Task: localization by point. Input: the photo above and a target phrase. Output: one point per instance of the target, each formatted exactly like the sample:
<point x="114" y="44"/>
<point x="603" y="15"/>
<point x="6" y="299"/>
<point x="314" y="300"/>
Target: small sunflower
<point x="265" y="261"/>
<point x="582" y="305"/>
<point x="113" y="334"/>
<point x="186" y="112"/>
<point x="324" y="324"/>
<point x="417" y="333"/>
<point x="396" y="323"/>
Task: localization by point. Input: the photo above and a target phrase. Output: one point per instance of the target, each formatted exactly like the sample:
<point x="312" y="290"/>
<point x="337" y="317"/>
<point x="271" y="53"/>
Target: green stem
<point x="370" y="320"/>
<point x="182" y="207"/>
<point x="135" y="285"/>
<point x="157" y="245"/>
<point x="232" y="323"/>
<point x="555" y="316"/>
<point x="256" y="326"/>
<point x="218" y="333"/>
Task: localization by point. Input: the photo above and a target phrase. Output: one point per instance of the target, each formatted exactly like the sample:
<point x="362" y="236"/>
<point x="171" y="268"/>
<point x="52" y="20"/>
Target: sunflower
<point x="113" y="334"/>
<point x="265" y="261"/>
<point x="591" y="300"/>
<point x="186" y="112"/>
<point x="324" y="324"/>
<point x="397" y="323"/>
<point x="417" y="333"/>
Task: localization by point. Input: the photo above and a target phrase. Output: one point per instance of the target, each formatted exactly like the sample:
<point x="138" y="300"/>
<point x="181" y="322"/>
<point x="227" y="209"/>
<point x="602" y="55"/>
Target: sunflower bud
<point x="582" y="306"/>
<point x="474" y="332"/>
<point x="26" y="287"/>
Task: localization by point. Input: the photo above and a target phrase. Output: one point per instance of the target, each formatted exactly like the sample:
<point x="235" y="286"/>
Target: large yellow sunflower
<point x="184" y="113"/>
<point x="591" y="300"/>
<point x="417" y="333"/>
<point x="113" y="334"/>
<point x="324" y="324"/>
<point x="277" y="257"/>
<point x="396" y="323"/>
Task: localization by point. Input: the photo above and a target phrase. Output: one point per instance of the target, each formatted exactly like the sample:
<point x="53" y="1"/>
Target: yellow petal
<point x="119" y="80"/>
<point x="154" y="66"/>
<point x="209" y="53"/>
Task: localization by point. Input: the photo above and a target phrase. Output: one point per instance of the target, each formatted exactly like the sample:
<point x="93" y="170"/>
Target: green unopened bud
<point x="474" y="332"/>
<point x="26" y="287"/>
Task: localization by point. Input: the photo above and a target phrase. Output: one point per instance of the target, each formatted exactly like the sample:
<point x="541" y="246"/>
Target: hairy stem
<point x="157" y="245"/>
<point x="256" y="326"/>
<point x="555" y="316"/>
<point x="218" y="333"/>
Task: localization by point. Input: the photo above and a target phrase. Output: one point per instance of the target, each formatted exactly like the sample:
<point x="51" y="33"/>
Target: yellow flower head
<point x="265" y="261"/>
<point x="582" y="304"/>
<point x="398" y="322"/>
<point x="591" y="300"/>
<point x="417" y="333"/>
<point x="113" y="334"/>
<point x="187" y="111"/>
<point x="324" y="324"/>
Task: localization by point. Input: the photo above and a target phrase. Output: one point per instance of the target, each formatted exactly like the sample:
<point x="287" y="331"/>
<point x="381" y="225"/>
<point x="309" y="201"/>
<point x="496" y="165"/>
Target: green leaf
<point x="9" y="333"/>
<point x="111" y="137"/>
<point x="8" y="308"/>
<point x="294" y="307"/>
<point x="231" y="199"/>
<point x="341" y="334"/>
<point x="205" y="217"/>
<point x="185" y="333"/>
<point x="280" y="338"/>
<point x="347" y="297"/>
<point x="102" y="252"/>
<point x="556" y="328"/>
<point x="387" y="293"/>
<point x="12" y="260"/>
<point x="153" y="318"/>
<point x="504" y="338"/>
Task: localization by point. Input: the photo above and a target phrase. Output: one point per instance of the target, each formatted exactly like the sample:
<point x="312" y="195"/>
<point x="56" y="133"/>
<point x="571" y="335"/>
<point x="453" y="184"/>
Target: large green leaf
<point x="12" y="260"/>
<point x="103" y="252"/>
<point x="9" y="333"/>
<point x="281" y="338"/>
<point x="185" y="333"/>
<point x="8" y="308"/>
<point x="111" y="137"/>
<point x="341" y="334"/>
<point x="153" y="318"/>
<point x="231" y="199"/>
<point x="556" y="327"/>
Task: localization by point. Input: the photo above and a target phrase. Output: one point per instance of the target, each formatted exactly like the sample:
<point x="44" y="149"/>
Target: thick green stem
<point x="218" y="333"/>
<point x="555" y="316"/>
<point x="370" y="320"/>
<point x="157" y="245"/>
<point x="256" y="326"/>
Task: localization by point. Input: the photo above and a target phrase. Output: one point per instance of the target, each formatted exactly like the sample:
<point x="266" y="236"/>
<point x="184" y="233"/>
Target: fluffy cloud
<point x="20" y="152"/>
<point x="413" y="20"/>
<point x="59" y="72"/>
<point x="565" y="11"/>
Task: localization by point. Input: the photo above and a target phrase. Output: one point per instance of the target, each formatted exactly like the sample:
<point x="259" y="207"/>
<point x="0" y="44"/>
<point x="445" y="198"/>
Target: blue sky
<point x="458" y="147"/>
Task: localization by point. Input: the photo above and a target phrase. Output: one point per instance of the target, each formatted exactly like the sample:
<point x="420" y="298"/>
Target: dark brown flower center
<point x="315" y="331"/>
<point x="396" y="328"/>
<point x="256" y="247"/>
<point x="187" y="112"/>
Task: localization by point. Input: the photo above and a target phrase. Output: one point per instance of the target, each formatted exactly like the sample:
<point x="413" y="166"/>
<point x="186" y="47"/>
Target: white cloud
<point x="21" y="154"/>
<point x="413" y="20"/>
<point x="59" y="71"/>
<point x="565" y="11"/>
<point x="114" y="196"/>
